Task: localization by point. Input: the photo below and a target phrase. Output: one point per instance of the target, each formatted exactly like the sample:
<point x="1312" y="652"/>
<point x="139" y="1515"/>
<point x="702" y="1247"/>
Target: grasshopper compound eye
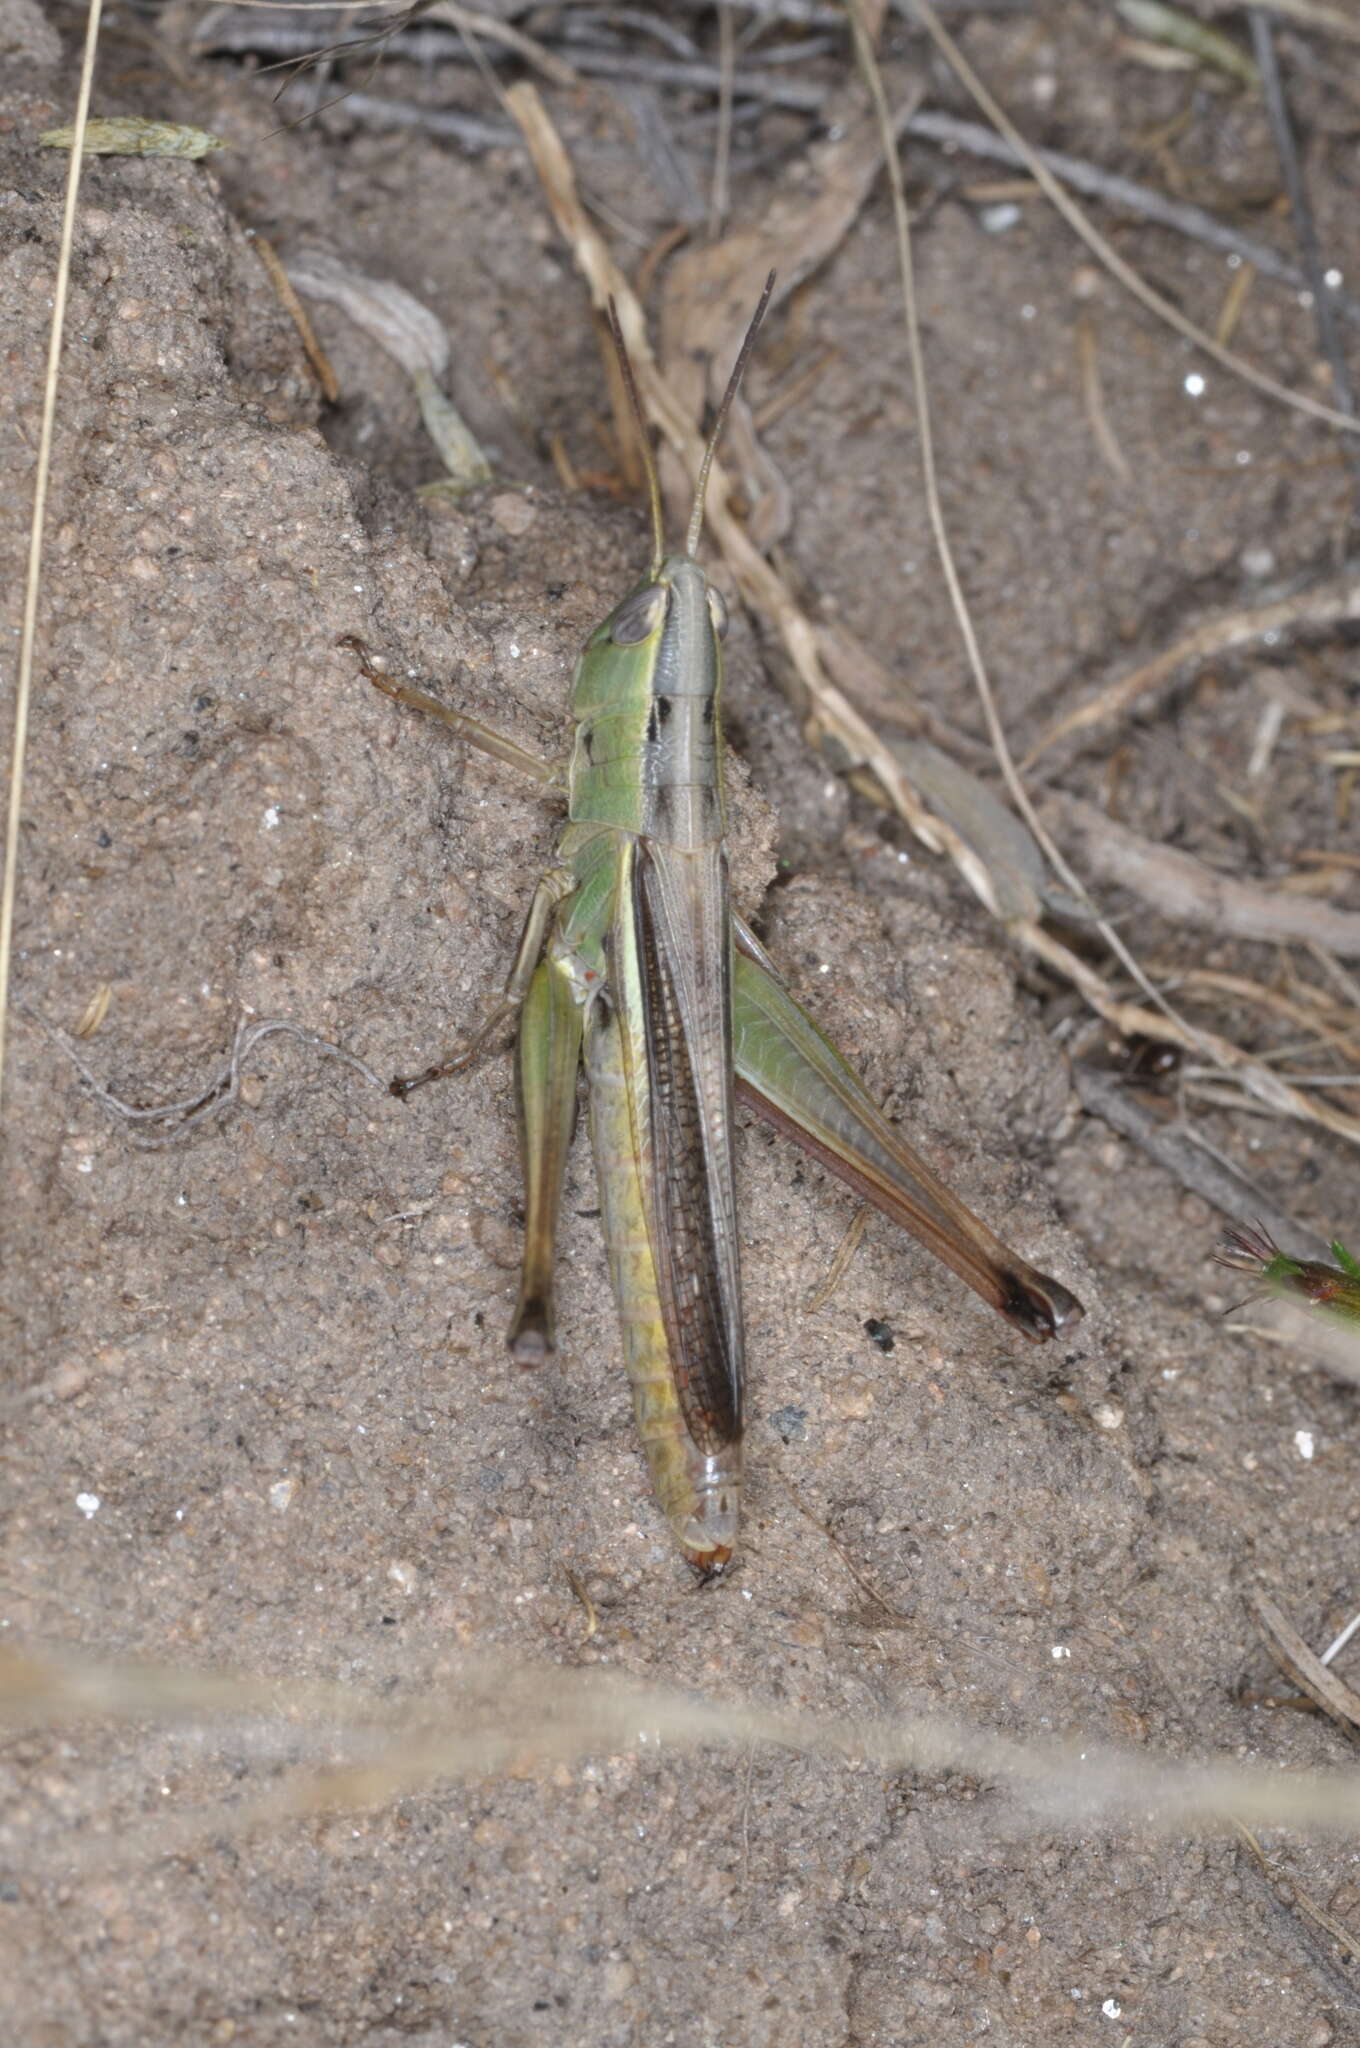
<point x="639" y="616"/>
<point x="717" y="611"/>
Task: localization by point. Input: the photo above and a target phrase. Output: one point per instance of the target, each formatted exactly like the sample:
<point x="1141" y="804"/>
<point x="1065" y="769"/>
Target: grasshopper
<point x="632" y="958"/>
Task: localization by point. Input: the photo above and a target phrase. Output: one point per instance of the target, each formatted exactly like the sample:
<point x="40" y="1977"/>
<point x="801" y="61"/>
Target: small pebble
<point x="513" y="512"/>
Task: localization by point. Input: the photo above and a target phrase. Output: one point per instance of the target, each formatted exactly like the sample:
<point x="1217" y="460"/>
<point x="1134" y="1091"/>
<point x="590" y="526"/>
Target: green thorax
<point x="648" y="751"/>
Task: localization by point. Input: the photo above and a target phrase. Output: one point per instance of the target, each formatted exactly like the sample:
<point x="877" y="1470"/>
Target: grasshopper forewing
<point x="632" y="958"/>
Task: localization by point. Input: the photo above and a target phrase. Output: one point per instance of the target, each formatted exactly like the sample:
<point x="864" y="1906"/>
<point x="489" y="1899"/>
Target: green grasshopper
<point x="632" y="955"/>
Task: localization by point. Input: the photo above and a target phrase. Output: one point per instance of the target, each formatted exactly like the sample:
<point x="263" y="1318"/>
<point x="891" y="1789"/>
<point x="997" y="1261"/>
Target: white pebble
<point x="88" y="1503"/>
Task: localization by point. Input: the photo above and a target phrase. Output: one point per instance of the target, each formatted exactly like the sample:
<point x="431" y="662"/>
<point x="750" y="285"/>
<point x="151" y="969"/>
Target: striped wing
<point x="672" y="981"/>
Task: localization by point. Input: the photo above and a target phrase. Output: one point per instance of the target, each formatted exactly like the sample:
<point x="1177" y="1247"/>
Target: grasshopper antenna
<point x="644" y="440"/>
<point x="696" y="517"/>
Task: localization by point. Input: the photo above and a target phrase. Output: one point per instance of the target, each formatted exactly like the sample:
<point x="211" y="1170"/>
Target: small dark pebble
<point x="791" y="1423"/>
<point x="880" y="1334"/>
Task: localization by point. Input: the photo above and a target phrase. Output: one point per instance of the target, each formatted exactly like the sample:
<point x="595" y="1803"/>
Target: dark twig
<point x="1224" y="1187"/>
<point x="1301" y="210"/>
<point x="475" y="132"/>
<point x="1095" y="183"/>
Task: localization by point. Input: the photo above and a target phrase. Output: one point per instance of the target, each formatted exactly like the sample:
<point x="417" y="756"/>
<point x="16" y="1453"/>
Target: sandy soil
<point x="272" y="1354"/>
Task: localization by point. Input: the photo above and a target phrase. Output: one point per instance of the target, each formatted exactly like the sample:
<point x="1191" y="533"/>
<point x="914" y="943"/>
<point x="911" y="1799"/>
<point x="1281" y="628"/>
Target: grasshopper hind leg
<point x="547" y="1064"/>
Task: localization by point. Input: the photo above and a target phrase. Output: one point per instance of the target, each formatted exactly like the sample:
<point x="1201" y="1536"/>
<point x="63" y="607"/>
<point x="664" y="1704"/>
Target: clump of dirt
<point x="261" y="1415"/>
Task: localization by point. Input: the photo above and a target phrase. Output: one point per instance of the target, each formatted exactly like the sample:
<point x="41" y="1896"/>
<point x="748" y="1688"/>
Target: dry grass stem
<point x="297" y="313"/>
<point x="982" y="682"/>
<point x="1302" y="1902"/>
<point x="1093" y="397"/>
<point x="1346" y="1043"/>
<point x="1234" y="299"/>
<point x="820" y="1295"/>
<point x="28" y="631"/>
<point x="491" y="1716"/>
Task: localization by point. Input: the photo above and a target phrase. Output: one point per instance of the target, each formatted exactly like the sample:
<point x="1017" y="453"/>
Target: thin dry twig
<point x="1095" y="182"/>
<point x="28" y="631"/>
<point x="1187" y="891"/>
<point x="297" y="313"/>
<point x="1093" y="397"/>
<point x="722" y="149"/>
<point x="1299" y="1663"/>
<point x="943" y="547"/>
<point x="820" y="1295"/>
<point x="1346" y="1043"/>
<point x="1332" y="601"/>
<point x="1104" y="252"/>
<point x="1301" y="1902"/>
<point x="1222" y="1186"/>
